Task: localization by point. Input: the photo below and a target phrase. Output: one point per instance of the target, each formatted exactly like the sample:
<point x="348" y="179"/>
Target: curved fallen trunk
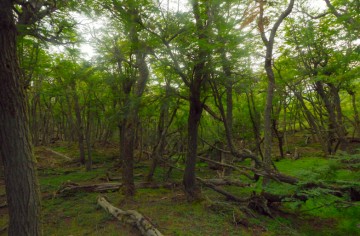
<point x="131" y="217"/>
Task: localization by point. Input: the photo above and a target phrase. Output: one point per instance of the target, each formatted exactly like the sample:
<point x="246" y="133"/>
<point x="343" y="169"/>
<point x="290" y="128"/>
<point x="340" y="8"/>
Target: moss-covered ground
<point x="323" y="214"/>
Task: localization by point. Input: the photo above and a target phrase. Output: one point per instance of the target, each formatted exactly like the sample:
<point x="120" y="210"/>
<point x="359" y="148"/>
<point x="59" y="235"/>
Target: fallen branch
<point x="231" y="182"/>
<point x="70" y="188"/>
<point x="59" y="154"/>
<point x="273" y="175"/>
<point x="227" y="165"/>
<point x="221" y="191"/>
<point x="131" y="217"/>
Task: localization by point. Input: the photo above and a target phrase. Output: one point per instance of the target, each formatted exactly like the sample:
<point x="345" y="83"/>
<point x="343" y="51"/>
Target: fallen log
<point x="273" y="174"/>
<point x="117" y="178"/>
<point x="70" y="188"/>
<point x="231" y="182"/>
<point x="58" y="154"/>
<point x="131" y="217"/>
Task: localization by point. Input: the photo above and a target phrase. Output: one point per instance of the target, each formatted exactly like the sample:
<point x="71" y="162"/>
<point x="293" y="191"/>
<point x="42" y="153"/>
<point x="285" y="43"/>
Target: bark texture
<point x="22" y="188"/>
<point x="200" y="76"/>
<point x="131" y="217"/>
<point x="269" y="43"/>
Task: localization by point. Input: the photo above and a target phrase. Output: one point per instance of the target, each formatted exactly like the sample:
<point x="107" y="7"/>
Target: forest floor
<point x="168" y="210"/>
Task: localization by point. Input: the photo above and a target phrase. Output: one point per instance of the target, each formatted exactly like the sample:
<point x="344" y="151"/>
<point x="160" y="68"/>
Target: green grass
<point x="79" y="214"/>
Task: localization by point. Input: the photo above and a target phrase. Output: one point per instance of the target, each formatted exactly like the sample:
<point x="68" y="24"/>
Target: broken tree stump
<point x="131" y="217"/>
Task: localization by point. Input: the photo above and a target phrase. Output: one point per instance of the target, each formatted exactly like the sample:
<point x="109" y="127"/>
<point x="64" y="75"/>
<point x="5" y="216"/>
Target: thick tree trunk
<point x="127" y="137"/>
<point x="133" y="90"/>
<point x="193" y="124"/>
<point x="22" y="188"/>
<point x="196" y="106"/>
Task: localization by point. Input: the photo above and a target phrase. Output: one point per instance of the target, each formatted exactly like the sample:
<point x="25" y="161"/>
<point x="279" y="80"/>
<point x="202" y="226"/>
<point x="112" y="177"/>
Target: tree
<point x="269" y="44"/>
<point x="22" y="187"/>
<point x="18" y="19"/>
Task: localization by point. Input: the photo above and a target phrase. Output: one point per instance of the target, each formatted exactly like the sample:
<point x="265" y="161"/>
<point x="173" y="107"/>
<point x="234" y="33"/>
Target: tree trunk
<point x="269" y="43"/>
<point x="127" y="137"/>
<point x="196" y="106"/>
<point x="88" y="137"/>
<point x="79" y="123"/>
<point x="193" y="124"/>
<point x="133" y="90"/>
<point x="356" y="113"/>
<point x="255" y="120"/>
<point x="22" y="187"/>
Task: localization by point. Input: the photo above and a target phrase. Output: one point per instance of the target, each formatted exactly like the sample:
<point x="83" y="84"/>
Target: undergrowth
<point x="322" y="214"/>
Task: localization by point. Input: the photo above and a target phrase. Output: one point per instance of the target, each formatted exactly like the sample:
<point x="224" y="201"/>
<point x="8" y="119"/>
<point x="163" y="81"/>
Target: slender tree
<point x="269" y="44"/>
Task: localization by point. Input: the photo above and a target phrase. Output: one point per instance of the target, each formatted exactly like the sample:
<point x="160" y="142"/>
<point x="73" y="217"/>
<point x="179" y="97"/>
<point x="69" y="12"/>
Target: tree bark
<point x="193" y="124"/>
<point x="79" y="123"/>
<point x="196" y="106"/>
<point x="269" y="43"/>
<point x="22" y="187"/>
<point x="131" y="217"/>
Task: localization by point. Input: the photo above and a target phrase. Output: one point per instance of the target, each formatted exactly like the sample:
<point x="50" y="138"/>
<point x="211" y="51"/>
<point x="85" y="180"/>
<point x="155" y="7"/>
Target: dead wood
<point x="259" y="204"/>
<point x="131" y="217"/>
<point x="271" y="174"/>
<point x="231" y="182"/>
<point x="221" y="191"/>
<point x="227" y="165"/>
<point x="70" y="188"/>
<point x="117" y="178"/>
<point x="274" y="198"/>
<point x="59" y="154"/>
<point x="3" y="205"/>
<point x="239" y="214"/>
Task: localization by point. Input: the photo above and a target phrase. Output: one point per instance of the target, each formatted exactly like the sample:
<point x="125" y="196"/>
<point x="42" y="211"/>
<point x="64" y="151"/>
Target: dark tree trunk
<point x="193" y="124"/>
<point x="88" y="137"/>
<point x="196" y="106"/>
<point x="133" y="89"/>
<point x="79" y="123"/>
<point x="22" y="187"/>
<point x="127" y="138"/>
